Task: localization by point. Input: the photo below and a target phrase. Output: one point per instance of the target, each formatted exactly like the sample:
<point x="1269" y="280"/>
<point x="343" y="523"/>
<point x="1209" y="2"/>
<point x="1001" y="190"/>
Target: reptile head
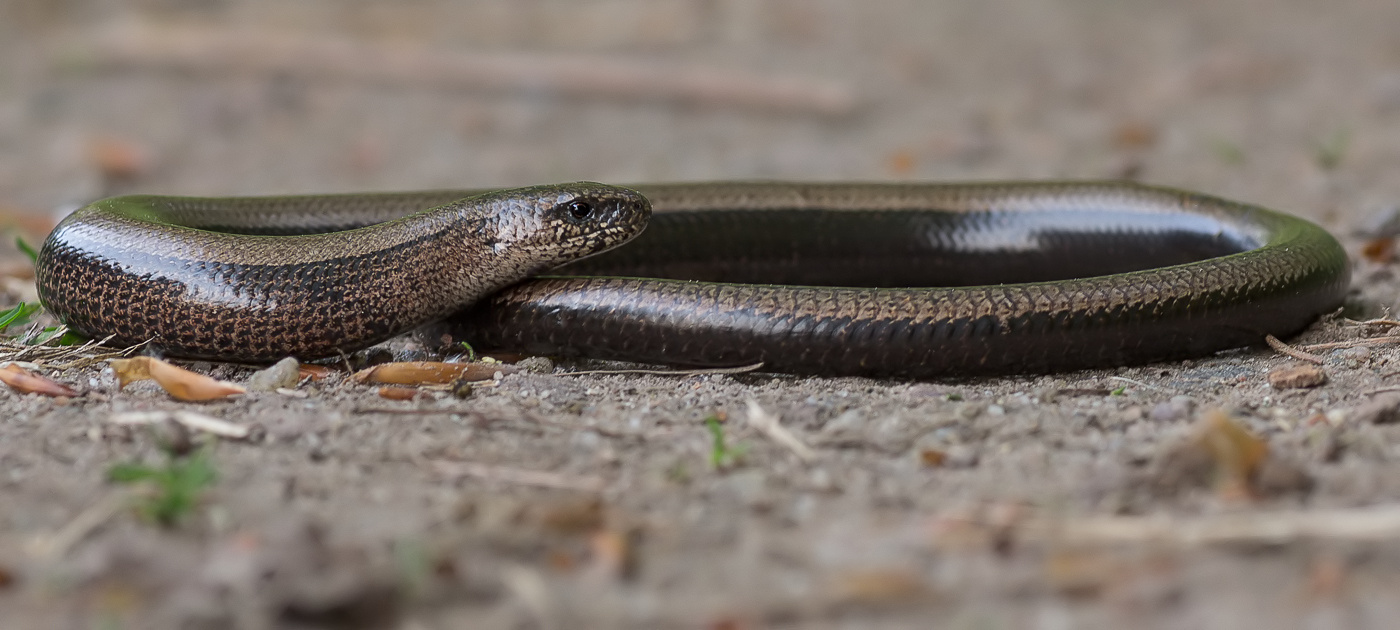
<point x="555" y="224"/>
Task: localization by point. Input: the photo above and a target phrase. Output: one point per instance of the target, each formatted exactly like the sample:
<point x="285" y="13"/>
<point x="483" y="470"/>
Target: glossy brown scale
<point x="807" y="278"/>
<point x="1023" y="277"/>
<point x="151" y="268"/>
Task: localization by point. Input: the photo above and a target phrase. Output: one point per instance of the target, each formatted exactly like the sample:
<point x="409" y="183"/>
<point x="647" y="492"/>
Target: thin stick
<point x="1380" y="523"/>
<point x="1293" y="352"/>
<point x="1141" y="384"/>
<point x="519" y="476"/>
<point x="1374" y="322"/>
<point x="768" y="424"/>
<point x="44" y="355"/>
<point x="221" y="50"/>
<point x="698" y="372"/>
<point x="89" y="520"/>
<point x="1354" y="343"/>
<point x="190" y="419"/>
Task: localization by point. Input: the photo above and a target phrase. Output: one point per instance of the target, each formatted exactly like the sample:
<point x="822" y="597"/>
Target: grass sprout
<point x="27" y="249"/>
<point x="175" y="487"/>
<point x="1329" y="153"/>
<point x="18" y="315"/>
<point x="722" y="454"/>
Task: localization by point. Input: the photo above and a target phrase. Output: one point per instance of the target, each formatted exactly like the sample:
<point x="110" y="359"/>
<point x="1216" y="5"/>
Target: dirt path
<point x="1088" y="499"/>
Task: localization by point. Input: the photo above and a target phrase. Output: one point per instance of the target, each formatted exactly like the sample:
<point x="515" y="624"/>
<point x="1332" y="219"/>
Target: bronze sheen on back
<point x="909" y="280"/>
<point x="222" y="278"/>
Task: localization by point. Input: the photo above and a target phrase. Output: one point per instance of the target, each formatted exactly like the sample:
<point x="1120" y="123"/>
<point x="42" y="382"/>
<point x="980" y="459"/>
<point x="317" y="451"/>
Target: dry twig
<point x="193" y="49"/>
<point x="63" y="357"/>
<point x="1354" y="343"/>
<point x="1142" y="384"/>
<point x="1389" y="323"/>
<point x="1291" y="351"/>
<point x="191" y="420"/>
<point x="768" y="424"/>
<point x="56" y="545"/>
<point x="1380" y="523"/>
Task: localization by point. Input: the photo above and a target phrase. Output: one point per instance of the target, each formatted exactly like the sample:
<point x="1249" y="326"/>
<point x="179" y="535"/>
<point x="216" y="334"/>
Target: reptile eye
<point x="580" y="209"/>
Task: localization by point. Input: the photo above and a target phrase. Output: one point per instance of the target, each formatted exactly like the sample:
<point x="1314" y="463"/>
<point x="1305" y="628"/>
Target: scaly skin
<point x="1031" y="277"/>
<point x="144" y="268"/>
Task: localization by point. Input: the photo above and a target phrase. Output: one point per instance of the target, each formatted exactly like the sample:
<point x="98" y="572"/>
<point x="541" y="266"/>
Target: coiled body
<point x="824" y="279"/>
<point x="1030" y="277"/>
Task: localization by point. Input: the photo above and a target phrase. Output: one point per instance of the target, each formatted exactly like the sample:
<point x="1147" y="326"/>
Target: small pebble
<point x="538" y="365"/>
<point x="373" y="355"/>
<point x="282" y="375"/>
<point x="1297" y="377"/>
<point x="411" y="354"/>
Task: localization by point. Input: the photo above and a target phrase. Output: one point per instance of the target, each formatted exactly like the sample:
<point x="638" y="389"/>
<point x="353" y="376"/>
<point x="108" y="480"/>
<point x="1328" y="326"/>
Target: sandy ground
<point x="1079" y="500"/>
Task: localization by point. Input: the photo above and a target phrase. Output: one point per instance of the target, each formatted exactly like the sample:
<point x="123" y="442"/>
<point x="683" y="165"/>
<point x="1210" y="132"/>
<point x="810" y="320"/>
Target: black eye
<point x="580" y="209"/>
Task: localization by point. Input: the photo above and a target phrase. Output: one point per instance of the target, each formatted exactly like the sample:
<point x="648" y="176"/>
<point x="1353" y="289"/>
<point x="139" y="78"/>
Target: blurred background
<point x="1291" y="103"/>
<point x="1294" y="104"/>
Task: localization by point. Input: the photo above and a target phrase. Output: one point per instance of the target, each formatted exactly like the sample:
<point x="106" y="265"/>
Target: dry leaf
<point x="1080" y="573"/>
<point x="574" y="517"/>
<point x="119" y="158"/>
<point x="614" y="554"/>
<point x="430" y="373"/>
<point x="129" y="371"/>
<point x="561" y="561"/>
<point x="182" y="384"/>
<point x="1134" y="134"/>
<point x="314" y="372"/>
<point x="398" y="393"/>
<point x="1327" y="576"/>
<point x="26" y="382"/>
<point x="1236" y="452"/>
<point x="932" y="457"/>
<point x="902" y="162"/>
<point x="880" y="587"/>
<point x="1379" y="250"/>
